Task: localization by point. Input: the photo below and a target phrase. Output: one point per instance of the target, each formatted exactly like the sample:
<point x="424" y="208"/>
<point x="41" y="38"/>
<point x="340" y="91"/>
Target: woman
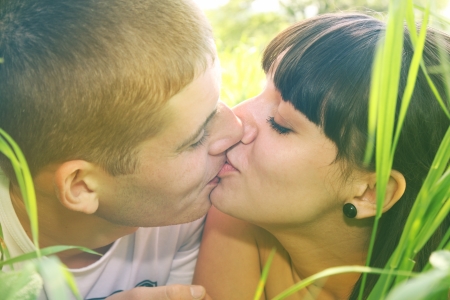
<point x="297" y="180"/>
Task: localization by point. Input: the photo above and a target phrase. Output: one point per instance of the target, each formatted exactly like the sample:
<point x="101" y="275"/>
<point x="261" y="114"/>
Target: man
<point x="115" y="106"/>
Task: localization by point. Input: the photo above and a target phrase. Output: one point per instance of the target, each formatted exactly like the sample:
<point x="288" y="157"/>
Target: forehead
<point x="195" y="102"/>
<point x="186" y="112"/>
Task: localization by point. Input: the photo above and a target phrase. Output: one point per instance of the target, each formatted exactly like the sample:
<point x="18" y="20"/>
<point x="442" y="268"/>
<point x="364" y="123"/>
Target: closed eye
<point x="277" y="127"/>
<point x="200" y="141"/>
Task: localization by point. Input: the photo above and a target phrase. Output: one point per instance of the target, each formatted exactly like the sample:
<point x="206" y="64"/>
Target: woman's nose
<point x="227" y="130"/>
<point x="246" y="113"/>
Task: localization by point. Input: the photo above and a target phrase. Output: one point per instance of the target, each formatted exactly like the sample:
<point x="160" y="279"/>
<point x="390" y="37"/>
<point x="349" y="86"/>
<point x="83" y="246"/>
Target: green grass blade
<point x="391" y="66"/>
<point x="55" y="286"/>
<point x="334" y="271"/>
<point x="6" y="149"/>
<point x="419" y="44"/>
<point x="414" y="222"/>
<point x="445" y="240"/>
<point x="413" y="225"/>
<point x="373" y="107"/>
<point x="262" y="281"/>
<point x="389" y="73"/>
<point x="70" y="280"/>
<point x="432" y="225"/>
<point x="45" y="252"/>
<point x="437" y="16"/>
<point x="4" y="250"/>
<point x="447" y="246"/>
<point x="444" y="66"/>
<point x="434" y="89"/>
<point x="411" y="22"/>
<point x="426" y="284"/>
<point x="26" y="187"/>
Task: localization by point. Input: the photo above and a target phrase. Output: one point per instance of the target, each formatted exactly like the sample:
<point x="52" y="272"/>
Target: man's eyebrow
<point x="193" y="137"/>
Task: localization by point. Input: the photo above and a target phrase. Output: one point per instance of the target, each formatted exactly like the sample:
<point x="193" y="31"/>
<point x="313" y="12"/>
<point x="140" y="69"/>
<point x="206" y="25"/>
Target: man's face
<point x="177" y="169"/>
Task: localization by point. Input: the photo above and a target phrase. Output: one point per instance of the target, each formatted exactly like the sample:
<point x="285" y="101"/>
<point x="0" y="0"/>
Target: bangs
<point x="325" y="72"/>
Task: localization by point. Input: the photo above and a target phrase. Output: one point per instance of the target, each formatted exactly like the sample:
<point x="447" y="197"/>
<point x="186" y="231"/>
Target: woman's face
<point x="283" y="172"/>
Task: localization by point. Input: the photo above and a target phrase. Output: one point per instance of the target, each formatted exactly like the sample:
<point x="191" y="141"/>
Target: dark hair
<point x="326" y="72"/>
<point x="88" y="79"/>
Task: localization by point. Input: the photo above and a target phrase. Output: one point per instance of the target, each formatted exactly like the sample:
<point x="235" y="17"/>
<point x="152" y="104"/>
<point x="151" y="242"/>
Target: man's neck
<point x="61" y="226"/>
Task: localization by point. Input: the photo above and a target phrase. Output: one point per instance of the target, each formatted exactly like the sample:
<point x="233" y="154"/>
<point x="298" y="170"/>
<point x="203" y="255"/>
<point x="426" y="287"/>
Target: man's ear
<point x="76" y="187"/>
<point x="365" y="203"/>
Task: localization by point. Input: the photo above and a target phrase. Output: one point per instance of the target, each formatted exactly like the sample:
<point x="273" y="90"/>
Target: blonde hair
<point x="88" y="79"/>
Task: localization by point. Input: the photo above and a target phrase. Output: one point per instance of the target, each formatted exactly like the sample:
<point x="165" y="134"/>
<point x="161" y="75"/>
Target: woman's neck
<point x="315" y="248"/>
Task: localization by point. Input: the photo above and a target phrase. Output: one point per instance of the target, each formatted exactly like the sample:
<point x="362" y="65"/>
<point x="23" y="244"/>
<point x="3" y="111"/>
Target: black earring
<point x="349" y="210"/>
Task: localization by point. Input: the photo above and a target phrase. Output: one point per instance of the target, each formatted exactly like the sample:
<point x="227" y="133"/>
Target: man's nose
<point x="227" y="130"/>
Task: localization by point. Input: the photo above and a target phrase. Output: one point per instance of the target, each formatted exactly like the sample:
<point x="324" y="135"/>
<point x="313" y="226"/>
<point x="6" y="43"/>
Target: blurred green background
<point x="244" y="27"/>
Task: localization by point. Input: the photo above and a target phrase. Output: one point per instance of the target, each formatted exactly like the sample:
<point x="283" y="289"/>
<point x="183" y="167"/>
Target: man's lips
<point x="215" y="180"/>
<point x="227" y="168"/>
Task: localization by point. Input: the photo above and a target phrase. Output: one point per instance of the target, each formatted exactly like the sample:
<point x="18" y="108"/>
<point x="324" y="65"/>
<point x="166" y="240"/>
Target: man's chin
<point x="187" y="219"/>
<point x="159" y="221"/>
<point x="193" y="215"/>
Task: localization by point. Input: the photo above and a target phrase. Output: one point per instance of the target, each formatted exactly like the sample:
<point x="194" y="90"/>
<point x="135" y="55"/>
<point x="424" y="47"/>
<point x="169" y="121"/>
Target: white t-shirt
<point x="149" y="257"/>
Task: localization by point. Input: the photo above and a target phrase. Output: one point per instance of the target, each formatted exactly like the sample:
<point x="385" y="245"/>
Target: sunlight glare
<point x="211" y="4"/>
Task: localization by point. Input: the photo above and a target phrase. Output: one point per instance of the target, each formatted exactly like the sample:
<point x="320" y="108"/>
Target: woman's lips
<point x="226" y="169"/>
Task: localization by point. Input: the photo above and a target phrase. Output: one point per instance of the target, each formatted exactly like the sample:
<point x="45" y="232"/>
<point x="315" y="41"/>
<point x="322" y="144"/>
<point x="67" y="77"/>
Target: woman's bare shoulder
<point x="232" y="255"/>
<point x="228" y="262"/>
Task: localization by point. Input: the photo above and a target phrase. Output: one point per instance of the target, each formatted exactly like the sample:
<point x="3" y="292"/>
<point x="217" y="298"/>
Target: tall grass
<point x="432" y="204"/>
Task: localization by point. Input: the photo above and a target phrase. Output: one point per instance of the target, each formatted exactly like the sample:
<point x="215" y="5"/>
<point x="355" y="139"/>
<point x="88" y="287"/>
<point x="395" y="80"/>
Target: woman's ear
<point x="75" y="186"/>
<point x="365" y="203"/>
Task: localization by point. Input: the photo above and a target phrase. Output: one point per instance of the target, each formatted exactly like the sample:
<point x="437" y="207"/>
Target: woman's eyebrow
<point x="193" y="137"/>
